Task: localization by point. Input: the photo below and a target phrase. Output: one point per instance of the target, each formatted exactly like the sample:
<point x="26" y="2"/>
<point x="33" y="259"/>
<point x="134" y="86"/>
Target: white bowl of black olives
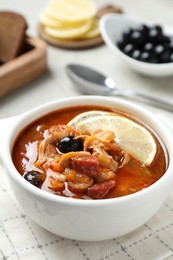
<point x="146" y="47"/>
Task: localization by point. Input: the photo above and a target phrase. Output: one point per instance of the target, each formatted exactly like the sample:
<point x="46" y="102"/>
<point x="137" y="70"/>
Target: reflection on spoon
<point x="90" y="81"/>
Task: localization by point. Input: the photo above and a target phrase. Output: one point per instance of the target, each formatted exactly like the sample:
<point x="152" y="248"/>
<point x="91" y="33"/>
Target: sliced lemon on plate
<point x="93" y="31"/>
<point x="70" y="19"/>
<point x="72" y="11"/>
<point x="68" y="32"/>
<point x="131" y="137"/>
<point x="86" y="115"/>
<point x="46" y="20"/>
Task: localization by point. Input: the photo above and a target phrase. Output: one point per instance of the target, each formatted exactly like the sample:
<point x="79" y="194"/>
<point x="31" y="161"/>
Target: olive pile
<point x="148" y="44"/>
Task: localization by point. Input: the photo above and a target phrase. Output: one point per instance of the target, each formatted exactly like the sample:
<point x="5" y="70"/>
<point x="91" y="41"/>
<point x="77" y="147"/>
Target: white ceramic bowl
<point x="112" y="26"/>
<point x="88" y="220"/>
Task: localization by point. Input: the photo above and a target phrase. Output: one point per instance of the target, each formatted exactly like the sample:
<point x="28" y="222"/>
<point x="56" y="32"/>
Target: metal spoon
<point x="90" y="81"/>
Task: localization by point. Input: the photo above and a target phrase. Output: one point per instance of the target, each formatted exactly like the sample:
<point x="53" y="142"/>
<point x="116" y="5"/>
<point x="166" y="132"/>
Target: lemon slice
<point x="68" y="32"/>
<point x="86" y="115"/>
<point x="93" y="32"/>
<point x="131" y="137"/>
<point x="49" y="22"/>
<point x="46" y="19"/>
<point x="72" y="10"/>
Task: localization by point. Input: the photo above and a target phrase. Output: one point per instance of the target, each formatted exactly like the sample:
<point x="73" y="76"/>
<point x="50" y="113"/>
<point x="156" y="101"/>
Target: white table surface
<point x="55" y="84"/>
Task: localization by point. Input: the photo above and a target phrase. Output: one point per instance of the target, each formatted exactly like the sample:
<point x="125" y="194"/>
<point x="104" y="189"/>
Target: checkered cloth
<point x="21" y="238"/>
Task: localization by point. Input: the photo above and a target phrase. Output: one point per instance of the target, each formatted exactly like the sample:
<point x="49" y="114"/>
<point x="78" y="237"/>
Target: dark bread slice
<point x="12" y="35"/>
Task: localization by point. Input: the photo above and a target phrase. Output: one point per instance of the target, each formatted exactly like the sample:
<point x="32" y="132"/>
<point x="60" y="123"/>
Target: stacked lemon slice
<point x="70" y="19"/>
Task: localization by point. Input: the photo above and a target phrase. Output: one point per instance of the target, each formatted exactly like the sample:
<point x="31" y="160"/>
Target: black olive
<point x="148" y="46"/>
<point x="165" y="56"/>
<point x="143" y="29"/>
<point x="159" y="49"/>
<point x="154" y="58"/>
<point x="70" y="144"/>
<point x="128" y="49"/>
<point x="155" y="32"/>
<point x="127" y="35"/>
<point x="137" y="37"/>
<point x="170" y="45"/>
<point x="171" y="58"/>
<point x="136" y="54"/>
<point x="145" y="56"/>
<point x="121" y="43"/>
<point x="166" y="39"/>
<point x="159" y="29"/>
<point x="34" y="177"/>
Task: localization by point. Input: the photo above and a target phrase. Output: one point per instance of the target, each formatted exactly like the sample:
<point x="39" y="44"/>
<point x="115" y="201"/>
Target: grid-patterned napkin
<point x="21" y="238"/>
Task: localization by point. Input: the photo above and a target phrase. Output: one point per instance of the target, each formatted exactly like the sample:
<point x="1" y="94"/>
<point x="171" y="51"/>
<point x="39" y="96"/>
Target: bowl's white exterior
<point x="88" y="220"/>
<point x="112" y="26"/>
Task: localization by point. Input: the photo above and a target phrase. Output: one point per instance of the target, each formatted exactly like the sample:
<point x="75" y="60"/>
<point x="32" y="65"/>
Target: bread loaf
<point x="12" y="35"/>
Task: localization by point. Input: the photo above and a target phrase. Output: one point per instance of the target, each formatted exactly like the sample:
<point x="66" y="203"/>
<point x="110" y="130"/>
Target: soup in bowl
<point x="89" y="168"/>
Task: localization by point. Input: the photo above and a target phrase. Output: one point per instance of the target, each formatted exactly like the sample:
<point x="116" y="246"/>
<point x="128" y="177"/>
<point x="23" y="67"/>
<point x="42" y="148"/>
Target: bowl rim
<point x="165" y="180"/>
<point x="113" y="17"/>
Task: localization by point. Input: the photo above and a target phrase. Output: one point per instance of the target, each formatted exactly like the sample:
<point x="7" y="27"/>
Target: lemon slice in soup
<point x="131" y="137"/>
<point x="86" y="115"/>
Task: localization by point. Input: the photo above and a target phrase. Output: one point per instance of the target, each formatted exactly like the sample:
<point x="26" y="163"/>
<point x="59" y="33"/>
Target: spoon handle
<point x="133" y="95"/>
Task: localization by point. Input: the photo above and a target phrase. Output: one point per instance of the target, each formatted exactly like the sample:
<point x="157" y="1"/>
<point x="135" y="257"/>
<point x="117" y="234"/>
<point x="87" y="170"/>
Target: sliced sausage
<point x="98" y="191"/>
<point x="87" y="164"/>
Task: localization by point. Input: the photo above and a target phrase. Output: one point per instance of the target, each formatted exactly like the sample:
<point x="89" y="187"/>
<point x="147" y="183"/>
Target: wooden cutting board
<point x="79" y="44"/>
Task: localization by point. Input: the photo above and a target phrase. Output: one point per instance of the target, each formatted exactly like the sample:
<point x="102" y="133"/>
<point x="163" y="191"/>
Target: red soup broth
<point x="130" y="178"/>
